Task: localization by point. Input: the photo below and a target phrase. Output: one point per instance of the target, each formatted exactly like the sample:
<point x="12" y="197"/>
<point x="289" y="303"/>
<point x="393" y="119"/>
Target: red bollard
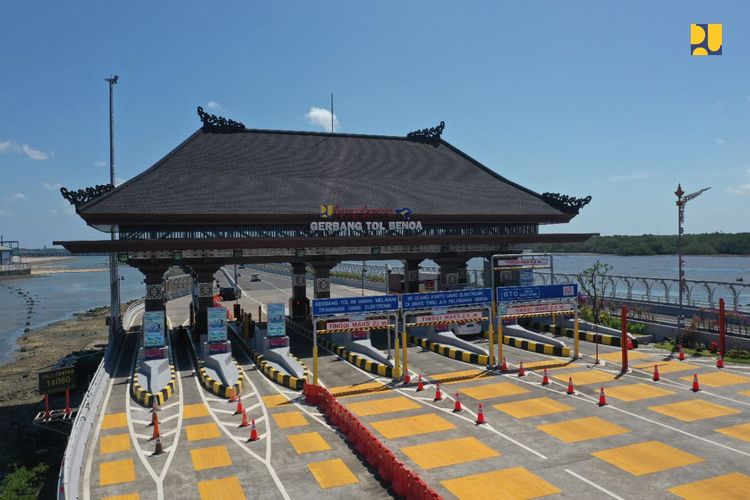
<point x="68" y="409"/>
<point x="46" y="407"/>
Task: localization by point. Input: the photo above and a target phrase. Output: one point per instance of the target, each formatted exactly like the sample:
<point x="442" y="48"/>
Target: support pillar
<point x="203" y="297"/>
<point x="154" y="298"/>
<point x="322" y="281"/>
<point x="411" y="276"/>
<point x="299" y="304"/>
<point x="450" y="272"/>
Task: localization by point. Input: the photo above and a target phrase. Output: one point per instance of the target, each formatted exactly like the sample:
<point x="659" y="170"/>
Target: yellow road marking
<point x="210" y="458"/>
<point x="636" y="392"/>
<point x="516" y="483"/>
<point x="275" y="401"/>
<point x="585" y="377"/>
<point x="194" y="411"/>
<point x="533" y="407"/>
<point x="463" y="375"/>
<point x="332" y="473"/>
<point x="289" y="419"/>
<point x="718" y="379"/>
<point x="741" y="431"/>
<point x="199" y="432"/>
<point x="308" y="442"/>
<point x="114" y="443"/>
<point x="667" y="366"/>
<point x="582" y="429"/>
<point x="744" y="393"/>
<point x="383" y="405"/>
<point x="227" y="488"/>
<point x="732" y="485"/>
<point x="616" y="357"/>
<point x="497" y="390"/>
<point x="694" y="410"/>
<point x="647" y="457"/>
<point x="342" y="390"/>
<point x="550" y="365"/>
<point x="119" y="471"/>
<point x="450" y="452"/>
<point x="410" y="426"/>
<point x="115" y="421"/>
<point x="127" y="496"/>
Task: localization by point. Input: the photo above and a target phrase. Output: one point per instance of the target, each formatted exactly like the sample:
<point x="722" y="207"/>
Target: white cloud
<point x="5" y="146"/>
<point x="35" y="154"/>
<point x="720" y="141"/>
<point x="214" y="106"/>
<point x="51" y="187"/>
<point x="739" y="189"/>
<point x="321" y="117"/>
<point x="4" y="213"/>
<point x="16" y="197"/>
<point x="100" y="163"/>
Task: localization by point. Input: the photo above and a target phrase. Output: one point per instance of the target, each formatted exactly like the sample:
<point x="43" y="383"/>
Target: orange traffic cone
<point x="545" y="378"/>
<point x="438" y="394"/>
<point x="244" y="419"/>
<point x="457" y="406"/>
<point x="521" y="370"/>
<point x="155" y="423"/>
<point x="68" y="410"/>
<point x="480" y="415"/>
<point x="570" y="386"/>
<point x="656" y="373"/>
<point x="240" y="408"/>
<point x="602" y="398"/>
<point x="420" y="384"/>
<point x="407" y="378"/>
<point x="158" y="449"/>
<point x="253" y="432"/>
<point x="233" y="399"/>
<point x="696" y="387"/>
<point x="720" y="361"/>
<point x="154" y="406"/>
<point x="681" y="356"/>
<point x="504" y="366"/>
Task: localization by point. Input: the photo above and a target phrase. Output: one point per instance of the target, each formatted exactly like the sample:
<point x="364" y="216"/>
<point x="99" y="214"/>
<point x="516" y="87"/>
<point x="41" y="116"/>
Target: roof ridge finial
<point x="213" y="123"/>
<point x="427" y="135"/>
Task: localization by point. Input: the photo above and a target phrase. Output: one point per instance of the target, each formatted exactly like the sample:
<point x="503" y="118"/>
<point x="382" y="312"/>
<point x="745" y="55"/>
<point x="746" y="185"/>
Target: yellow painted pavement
<point x="332" y="473"/>
<point x="636" y="392"/>
<point x="450" y="452"/>
<point x="357" y="389"/>
<point x="275" y="401"/>
<point x="582" y="429"/>
<point x="517" y="483"/>
<point x="497" y="390"/>
<point x="718" y="379"/>
<point x="227" y="488"/>
<point x="667" y="366"/>
<point x="585" y="377"/>
<point x="616" y="357"/>
<point x="194" y="411"/>
<point x="732" y="485"/>
<point x="114" y="443"/>
<point x="116" y="472"/>
<point x="290" y="419"/>
<point x="533" y="407"/>
<point x="115" y="421"/>
<point x="383" y="405"/>
<point x="199" y="432"/>
<point x="741" y="431"/>
<point x="694" y="410"/>
<point x="308" y="442"/>
<point x="410" y="426"/>
<point x="647" y="457"/>
<point x="127" y="496"/>
<point x="210" y="458"/>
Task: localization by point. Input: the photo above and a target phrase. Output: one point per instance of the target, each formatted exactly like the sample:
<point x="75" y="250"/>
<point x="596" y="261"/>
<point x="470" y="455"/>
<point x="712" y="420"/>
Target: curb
<point x="468" y="357"/>
<point x="604" y="338"/>
<point x="538" y="347"/>
<point x="219" y="389"/>
<point x="269" y="371"/>
<point x="146" y="398"/>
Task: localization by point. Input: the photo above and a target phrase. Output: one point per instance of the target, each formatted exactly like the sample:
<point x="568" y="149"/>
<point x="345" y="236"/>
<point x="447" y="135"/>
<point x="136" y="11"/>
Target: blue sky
<point x="580" y="97"/>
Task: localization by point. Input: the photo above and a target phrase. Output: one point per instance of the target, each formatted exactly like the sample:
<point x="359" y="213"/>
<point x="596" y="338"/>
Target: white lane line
<point x="592" y="483"/>
<point x="178" y="430"/>
<point x="134" y="437"/>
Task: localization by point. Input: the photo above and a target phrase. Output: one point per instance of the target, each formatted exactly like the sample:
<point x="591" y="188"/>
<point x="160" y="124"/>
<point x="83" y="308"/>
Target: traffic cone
<point x="602" y="398"/>
<point x="681" y="356"/>
<point x="420" y="384"/>
<point x="504" y="366"/>
<point x="720" y="361"/>
<point x="545" y="378"/>
<point x="154" y="407"/>
<point x="233" y="399"/>
<point x="253" y="432"/>
<point x="696" y="387"/>
<point x="158" y="449"/>
<point x="244" y="419"/>
<point x="480" y="415"/>
<point x="570" y="386"/>
<point x="438" y="394"/>
<point x="46" y="407"/>
<point x="155" y="423"/>
<point x="68" y="410"/>
<point x="457" y="406"/>
<point x="407" y="378"/>
<point x="656" y="373"/>
<point x="240" y="408"/>
<point x="521" y="370"/>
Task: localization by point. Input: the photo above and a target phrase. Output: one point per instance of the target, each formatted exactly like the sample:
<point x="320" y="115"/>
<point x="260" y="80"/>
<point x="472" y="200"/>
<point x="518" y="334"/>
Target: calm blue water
<point x="58" y="296"/>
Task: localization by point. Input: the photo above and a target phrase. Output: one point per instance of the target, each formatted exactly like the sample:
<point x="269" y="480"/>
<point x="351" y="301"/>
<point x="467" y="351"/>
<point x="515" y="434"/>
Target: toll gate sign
<point x="534" y="293"/>
<point x="452" y="298"/>
<point x="57" y="379"/>
<point x="347" y="305"/>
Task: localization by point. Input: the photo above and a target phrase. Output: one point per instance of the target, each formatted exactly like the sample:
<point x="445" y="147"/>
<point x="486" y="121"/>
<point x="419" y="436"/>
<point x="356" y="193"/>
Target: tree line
<point x="651" y="244"/>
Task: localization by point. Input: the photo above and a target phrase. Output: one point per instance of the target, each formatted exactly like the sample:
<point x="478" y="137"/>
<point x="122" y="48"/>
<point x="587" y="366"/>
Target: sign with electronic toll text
<point x="153" y="329"/>
<point x="276" y="320"/>
<point x="505" y="309"/>
<point x="541" y="292"/>
<point x="531" y="261"/>
<point x="346" y="305"/>
<point x="57" y="379"/>
<point x="451" y="298"/>
<point x="447" y="318"/>
<point x="217" y="324"/>
<point x="357" y="325"/>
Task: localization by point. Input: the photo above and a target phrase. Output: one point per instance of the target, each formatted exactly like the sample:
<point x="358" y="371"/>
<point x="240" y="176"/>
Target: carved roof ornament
<point x="565" y="203"/>
<point x="427" y="135"/>
<point x="213" y="123"/>
<point x="83" y="196"/>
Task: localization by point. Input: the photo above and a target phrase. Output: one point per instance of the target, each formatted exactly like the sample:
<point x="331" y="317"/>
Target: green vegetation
<point x="699" y="350"/>
<point x="650" y="244"/>
<point x="23" y="483"/>
<point x="611" y="319"/>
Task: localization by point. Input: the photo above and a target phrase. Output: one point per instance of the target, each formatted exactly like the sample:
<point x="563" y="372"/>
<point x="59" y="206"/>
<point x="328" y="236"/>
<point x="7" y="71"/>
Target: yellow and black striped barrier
<point x="452" y="322"/>
<point x="450" y="352"/>
<point x="358" y="361"/>
<point x="278" y="376"/>
<point x="146" y="398"/>
<point x="538" y="347"/>
<point x="216" y="387"/>
<point x="604" y="338"/>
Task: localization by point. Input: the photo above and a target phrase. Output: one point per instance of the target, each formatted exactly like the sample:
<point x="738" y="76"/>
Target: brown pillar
<point x="322" y="282"/>
<point x="411" y="276"/>
<point x="154" y="287"/>
<point x="299" y="304"/>
<point x="449" y="272"/>
<point x="203" y="293"/>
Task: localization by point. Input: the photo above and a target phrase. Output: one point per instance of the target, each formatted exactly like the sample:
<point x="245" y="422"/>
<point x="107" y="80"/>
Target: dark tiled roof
<point x="280" y="172"/>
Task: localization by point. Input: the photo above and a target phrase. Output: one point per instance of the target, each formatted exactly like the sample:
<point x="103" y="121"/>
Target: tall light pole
<point x="114" y="277"/>
<point x="681" y="201"/>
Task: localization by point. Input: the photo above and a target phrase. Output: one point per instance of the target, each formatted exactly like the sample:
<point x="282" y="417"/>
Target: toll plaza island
<point x="305" y="385"/>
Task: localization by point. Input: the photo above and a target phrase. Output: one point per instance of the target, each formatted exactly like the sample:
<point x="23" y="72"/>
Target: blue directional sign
<point x="348" y="305"/>
<point x="542" y="292"/>
<point x="452" y="298"/>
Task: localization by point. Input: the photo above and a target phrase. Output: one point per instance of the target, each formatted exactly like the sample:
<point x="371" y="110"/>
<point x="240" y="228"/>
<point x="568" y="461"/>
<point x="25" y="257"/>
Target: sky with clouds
<point x="581" y="97"/>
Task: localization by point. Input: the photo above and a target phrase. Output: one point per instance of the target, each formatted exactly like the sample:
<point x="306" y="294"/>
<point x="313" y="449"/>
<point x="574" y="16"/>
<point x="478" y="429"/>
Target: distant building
<point x="6" y="255"/>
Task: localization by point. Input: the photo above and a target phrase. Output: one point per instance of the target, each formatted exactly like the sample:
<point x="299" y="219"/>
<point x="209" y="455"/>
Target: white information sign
<point x="549" y="307"/>
<point x="461" y="316"/>
<point x="357" y="325"/>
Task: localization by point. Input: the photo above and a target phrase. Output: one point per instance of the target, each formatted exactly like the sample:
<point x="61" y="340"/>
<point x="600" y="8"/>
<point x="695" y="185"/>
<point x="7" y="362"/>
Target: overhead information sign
<point x="541" y="292"/>
<point x="447" y="318"/>
<point x="542" y="308"/>
<point x="451" y="298"/>
<point x="357" y="325"/>
<point x="346" y="305"/>
<point x="530" y="261"/>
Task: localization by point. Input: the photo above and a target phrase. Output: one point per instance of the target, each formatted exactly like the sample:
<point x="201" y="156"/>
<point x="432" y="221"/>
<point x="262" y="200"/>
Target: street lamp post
<point x="114" y="280"/>
<point x="682" y="200"/>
